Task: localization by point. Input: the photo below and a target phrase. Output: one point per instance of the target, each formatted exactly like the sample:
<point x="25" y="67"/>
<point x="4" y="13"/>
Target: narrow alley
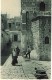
<point x="25" y="69"/>
<point x="26" y="39"/>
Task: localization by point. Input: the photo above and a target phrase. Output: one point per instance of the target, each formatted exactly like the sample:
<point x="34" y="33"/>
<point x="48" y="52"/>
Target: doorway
<point x="42" y="6"/>
<point x="15" y="37"/>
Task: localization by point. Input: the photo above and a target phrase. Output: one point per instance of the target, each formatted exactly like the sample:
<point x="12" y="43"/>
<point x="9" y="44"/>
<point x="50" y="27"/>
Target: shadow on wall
<point x="5" y="53"/>
<point x="44" y="57"/>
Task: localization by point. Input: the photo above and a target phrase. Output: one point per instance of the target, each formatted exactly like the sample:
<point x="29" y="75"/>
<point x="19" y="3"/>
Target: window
<point x="27" y="16"/>
<point x="15" y="37"/>
<point x="42" y="6"/>
<point x="9" y="25"/>
<point x="46" y="40"/>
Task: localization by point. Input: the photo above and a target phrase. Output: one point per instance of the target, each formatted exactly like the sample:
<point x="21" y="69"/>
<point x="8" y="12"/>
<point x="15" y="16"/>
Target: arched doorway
<point x="27" y="17"/>
<point x="42" y="6"/>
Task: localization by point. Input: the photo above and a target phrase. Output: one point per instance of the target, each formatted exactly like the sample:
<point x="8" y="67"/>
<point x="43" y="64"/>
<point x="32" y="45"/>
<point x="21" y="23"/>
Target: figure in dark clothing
<point x="9" y="43"/>
<point x="17" y="52"/>
<point x="28" y="51"/>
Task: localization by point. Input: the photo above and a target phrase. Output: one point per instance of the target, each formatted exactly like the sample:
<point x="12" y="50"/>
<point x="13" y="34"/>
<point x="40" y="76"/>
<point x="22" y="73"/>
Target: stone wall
<point x="35" y="32"/>
<point x="26" y="40"/>
<point x="45" y="31"/>
<point x="14" y="24"/>
<point x="41" y="27"/>
<point x="34" y="5"/>
<point x="18" y="34"/>
<point x="3" y="21"/>
<point x="23" y="42"/>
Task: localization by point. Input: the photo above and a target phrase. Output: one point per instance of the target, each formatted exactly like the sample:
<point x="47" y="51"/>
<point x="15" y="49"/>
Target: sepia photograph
<point x="25" y="39"/>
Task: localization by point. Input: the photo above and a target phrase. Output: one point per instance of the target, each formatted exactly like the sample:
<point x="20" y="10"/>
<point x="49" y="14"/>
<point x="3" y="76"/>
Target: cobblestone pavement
<point x="25" y="69"/>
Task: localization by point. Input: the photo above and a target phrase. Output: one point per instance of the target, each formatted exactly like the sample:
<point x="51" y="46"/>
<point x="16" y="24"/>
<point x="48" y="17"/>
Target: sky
<point x="11" y="7"/>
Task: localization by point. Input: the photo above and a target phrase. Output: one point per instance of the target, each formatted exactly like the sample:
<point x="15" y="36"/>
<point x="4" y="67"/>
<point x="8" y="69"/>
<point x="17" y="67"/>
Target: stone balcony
<point x="40" y="14"/>
<point x="44" y="13"/>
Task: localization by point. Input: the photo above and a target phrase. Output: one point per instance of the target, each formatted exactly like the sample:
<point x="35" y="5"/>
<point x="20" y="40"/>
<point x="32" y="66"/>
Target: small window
<point x="46" y="40"/>
<point x="9" y="25"/>
<point x="2" y="35"/>
<point x="42" y="6"/>
<point x="27" y="15"/>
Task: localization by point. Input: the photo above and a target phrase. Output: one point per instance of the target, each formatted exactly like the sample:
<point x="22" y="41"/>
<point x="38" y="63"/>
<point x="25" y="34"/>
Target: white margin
<point x="0" y="38"/>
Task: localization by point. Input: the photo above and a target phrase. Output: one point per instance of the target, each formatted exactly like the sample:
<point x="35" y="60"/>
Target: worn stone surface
<point x="24" y="69"/>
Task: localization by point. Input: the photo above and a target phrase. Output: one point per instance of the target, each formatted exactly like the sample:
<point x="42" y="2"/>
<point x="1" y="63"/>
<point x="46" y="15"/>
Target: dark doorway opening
<point x="15" y="37"/>
<point x="9" y="25"/>
<point x="27" y="16"/>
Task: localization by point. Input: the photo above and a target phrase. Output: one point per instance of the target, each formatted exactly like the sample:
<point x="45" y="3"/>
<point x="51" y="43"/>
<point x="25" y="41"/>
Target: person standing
<point x="14" y="57"/>
<point x="28" y="51"/>
<point x="17" y="53"/>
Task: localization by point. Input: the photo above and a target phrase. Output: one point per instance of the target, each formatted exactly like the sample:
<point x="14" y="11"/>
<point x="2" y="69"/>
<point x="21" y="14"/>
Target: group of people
<point x="15" y="54"/>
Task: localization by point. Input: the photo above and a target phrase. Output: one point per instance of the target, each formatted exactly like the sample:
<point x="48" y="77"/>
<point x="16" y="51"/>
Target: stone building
<point x="4" y="35"/>
<point x="3" y="21"/>
<point x="14" y="24"/>
<point x="14" y="30"/>
<point x="36" y="21"/>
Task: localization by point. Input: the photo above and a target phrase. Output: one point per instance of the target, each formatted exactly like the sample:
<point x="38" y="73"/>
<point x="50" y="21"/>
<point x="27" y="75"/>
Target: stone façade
<point x="38" y="24"/>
